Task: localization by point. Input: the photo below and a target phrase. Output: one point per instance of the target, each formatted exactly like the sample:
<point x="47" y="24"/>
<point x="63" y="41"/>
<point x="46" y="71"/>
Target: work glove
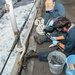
<point x="53" y="38"/>
<point x="51" y="23"/>
<point x="55" y="42"/>
<point x="43" y="27"/>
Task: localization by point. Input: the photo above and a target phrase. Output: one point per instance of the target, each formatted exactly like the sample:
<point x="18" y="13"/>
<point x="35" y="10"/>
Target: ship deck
<point x="35" y="67"/>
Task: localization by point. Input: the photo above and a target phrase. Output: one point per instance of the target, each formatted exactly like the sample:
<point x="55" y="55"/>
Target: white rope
<point x="39" y="21"/>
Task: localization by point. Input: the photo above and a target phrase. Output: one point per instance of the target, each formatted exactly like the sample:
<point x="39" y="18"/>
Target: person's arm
<point x="68" y="47"/>
<point x="61" y="45"/>
<point x="60" y="37"/>
<point x="57" y="38"/>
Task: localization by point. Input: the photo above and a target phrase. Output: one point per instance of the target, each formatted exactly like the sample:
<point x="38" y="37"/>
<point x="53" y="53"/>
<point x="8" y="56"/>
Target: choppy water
<point x="21" y="10"/>
<point x="22" y="2"/>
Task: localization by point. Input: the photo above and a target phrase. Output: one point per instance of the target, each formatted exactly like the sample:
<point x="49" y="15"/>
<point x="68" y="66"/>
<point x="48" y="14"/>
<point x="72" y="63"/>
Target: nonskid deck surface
<point x="35" y="67"/>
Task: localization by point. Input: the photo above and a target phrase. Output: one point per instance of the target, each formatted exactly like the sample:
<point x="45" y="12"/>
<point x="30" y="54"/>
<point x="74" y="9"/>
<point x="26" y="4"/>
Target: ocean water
<point x="22" y="2"/>
<point x="21" y="10"/>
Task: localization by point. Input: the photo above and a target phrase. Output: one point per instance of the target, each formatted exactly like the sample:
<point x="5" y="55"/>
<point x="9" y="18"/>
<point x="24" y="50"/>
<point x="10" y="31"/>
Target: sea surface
<point x="21" y="10"/>
<point x="23" y="2"/>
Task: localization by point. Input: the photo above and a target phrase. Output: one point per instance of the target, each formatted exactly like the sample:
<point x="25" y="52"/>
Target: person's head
<point x="62" y="24"/>
<point x="49" y="5"/>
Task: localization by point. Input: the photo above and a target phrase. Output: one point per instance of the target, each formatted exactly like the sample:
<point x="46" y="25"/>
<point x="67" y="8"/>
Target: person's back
<point x="70" y="39"/>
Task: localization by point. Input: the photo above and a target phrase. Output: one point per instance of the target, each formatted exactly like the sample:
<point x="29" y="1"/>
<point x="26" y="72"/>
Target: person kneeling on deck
<point x="65" y="41"/>
<point x="53" y="10"/>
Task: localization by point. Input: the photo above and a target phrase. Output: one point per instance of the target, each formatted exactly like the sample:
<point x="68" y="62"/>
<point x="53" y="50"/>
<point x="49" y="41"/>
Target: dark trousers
<point x="42" y="56"/>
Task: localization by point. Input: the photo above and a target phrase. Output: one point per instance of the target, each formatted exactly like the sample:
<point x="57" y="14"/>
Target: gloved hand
<point x="53" y="38"/>
<point x="43" y="27"/>
<point x="51" y="23"/>
<point x="55" y="42"/>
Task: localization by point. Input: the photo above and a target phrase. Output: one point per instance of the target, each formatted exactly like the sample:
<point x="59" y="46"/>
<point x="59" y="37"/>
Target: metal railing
<point x="16" y="39"/>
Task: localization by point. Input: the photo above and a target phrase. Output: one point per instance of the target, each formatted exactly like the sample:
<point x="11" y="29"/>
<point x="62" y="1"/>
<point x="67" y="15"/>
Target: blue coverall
<point x="58" y="11"/>
<point x="70" y="41"/>
<point x="69" y="45"/>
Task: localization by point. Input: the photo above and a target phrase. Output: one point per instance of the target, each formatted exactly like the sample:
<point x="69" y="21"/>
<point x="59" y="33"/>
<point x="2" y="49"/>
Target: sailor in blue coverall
<point x="53" y="14"/>
<point x="67" y="40"/>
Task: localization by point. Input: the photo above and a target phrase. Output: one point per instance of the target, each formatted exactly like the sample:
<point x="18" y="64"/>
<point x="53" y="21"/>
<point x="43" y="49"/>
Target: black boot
<point x="38" y="40"/>
<point x="31" y="54"/>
